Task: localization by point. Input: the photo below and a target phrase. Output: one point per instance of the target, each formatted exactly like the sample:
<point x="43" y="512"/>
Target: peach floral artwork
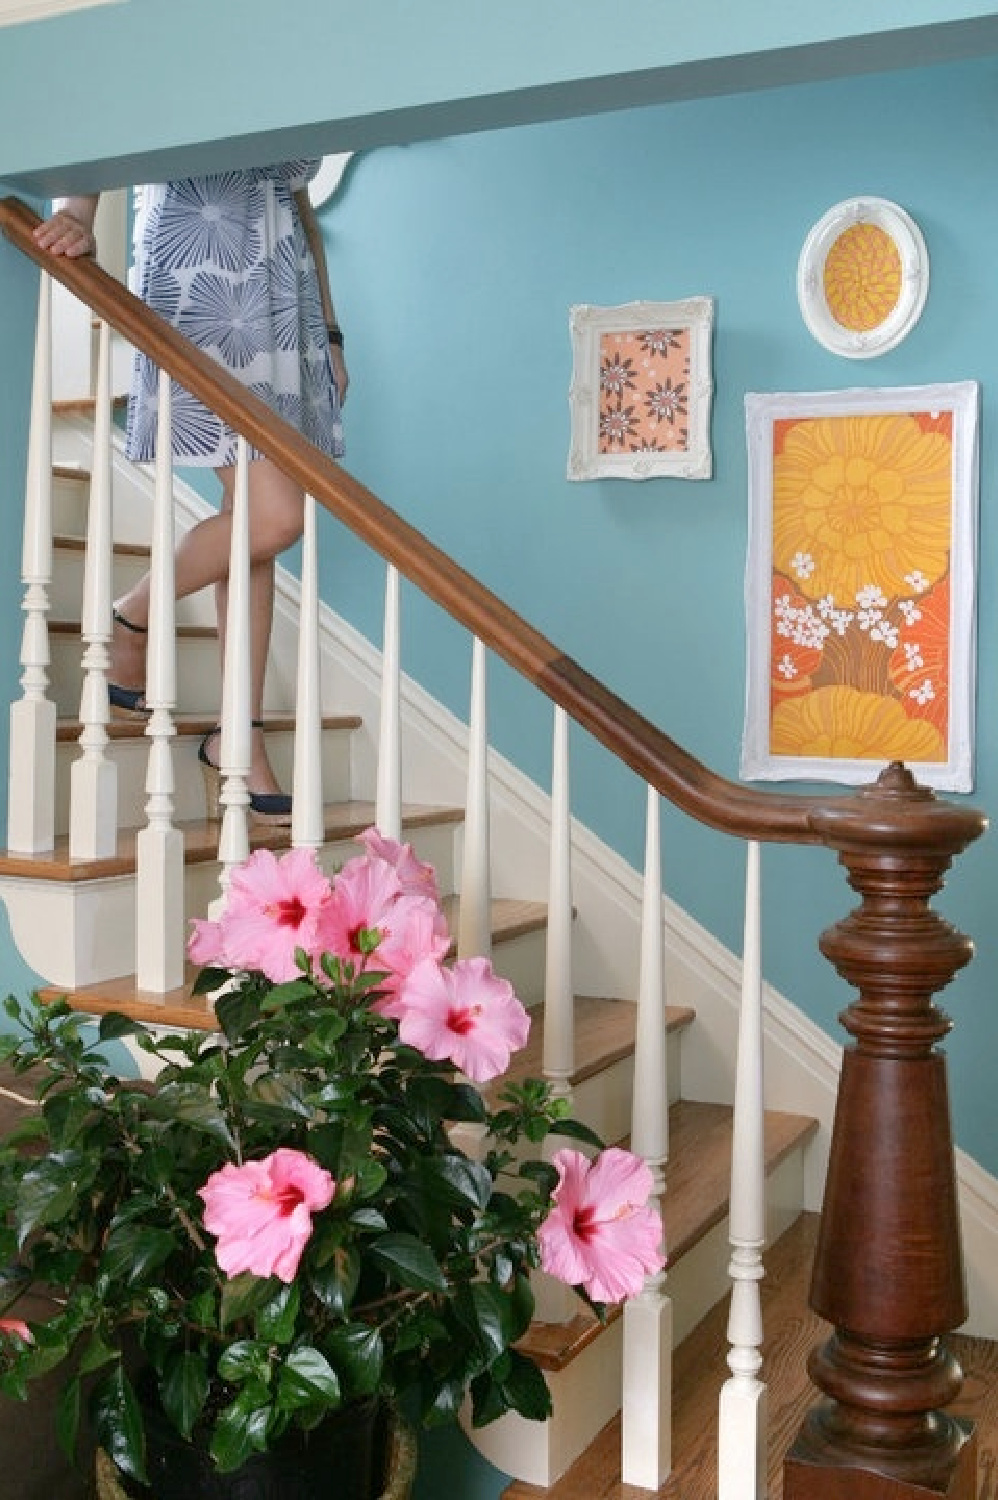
<point x="644" y="391"/>
<point x="866" y="581"/>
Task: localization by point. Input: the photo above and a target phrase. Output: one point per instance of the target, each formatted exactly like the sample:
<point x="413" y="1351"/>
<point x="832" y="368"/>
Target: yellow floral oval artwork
<point x="861" y="502"/>
<point x="842" y="722"/>
<point x="862" y="277"/>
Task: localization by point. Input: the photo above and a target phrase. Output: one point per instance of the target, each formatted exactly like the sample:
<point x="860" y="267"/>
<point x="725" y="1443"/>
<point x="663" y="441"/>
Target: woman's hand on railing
<point x="70" y="229"/>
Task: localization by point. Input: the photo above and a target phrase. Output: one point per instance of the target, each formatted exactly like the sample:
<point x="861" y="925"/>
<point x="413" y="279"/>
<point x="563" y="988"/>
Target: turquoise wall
<point x="454" y="265"/>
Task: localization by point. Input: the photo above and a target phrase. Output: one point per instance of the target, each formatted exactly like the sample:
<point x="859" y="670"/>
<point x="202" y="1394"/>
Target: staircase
<point x="887" y="1267"/>
<point x="74" y="923"/>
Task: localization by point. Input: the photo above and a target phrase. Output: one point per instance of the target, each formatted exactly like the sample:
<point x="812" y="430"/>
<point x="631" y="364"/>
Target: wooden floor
<point x="700" y="1368"/>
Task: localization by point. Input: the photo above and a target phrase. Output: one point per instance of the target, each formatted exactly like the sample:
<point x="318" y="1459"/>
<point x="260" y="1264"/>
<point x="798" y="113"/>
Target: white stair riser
<point x="199" y="687"/>
<point x="73" y="932"/>
<point x="130" y="756"/>
<point x="66" y="598"/>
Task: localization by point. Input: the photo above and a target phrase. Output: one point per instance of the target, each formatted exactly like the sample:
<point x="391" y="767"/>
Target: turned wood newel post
<point x="888" y="1269"/>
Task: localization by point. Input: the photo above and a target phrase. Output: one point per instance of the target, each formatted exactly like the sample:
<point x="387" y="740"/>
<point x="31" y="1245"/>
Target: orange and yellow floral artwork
<point x="862" y="277"/>
<point x="644" y="381"/>
<point x="860" y="626"/>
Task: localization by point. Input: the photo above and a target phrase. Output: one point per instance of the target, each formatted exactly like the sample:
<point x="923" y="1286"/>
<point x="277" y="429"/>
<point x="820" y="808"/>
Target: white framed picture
<point x="861" y="584"/>
<point x="641" y="390"/>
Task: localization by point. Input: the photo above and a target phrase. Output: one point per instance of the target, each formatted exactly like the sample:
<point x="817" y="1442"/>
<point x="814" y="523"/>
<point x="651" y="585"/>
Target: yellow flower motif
<point x="841" y="723"/>
<point x="862" y="277"/>
<point x="860" y="501"/>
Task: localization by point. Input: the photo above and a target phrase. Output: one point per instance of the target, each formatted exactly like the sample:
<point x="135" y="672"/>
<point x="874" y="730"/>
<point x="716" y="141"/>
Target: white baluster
<point x="235" y="743"/>
<point x="559" y="997"/>
<point x="646" y="1414"/>
<point x="159" y="885"/>
<point x="742" y="1417"/>
<point x="555" y="1303"/>
<point x="93" y="822"/>
<point x="307" y="817"/>
<point x="31" y="775"/>
<point x="475" y="924"/>
<point x="388" y="807"/>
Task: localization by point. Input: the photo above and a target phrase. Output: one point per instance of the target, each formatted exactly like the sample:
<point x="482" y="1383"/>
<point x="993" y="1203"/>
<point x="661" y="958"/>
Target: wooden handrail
<point x="712" y="799"/>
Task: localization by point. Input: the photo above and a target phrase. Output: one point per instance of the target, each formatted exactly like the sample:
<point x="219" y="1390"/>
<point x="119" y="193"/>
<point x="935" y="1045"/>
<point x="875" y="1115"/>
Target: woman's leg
<point x="276" y="519"/>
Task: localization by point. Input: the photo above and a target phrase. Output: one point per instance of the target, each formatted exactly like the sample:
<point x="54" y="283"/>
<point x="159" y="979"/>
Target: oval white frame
<point x="906" y="235"/>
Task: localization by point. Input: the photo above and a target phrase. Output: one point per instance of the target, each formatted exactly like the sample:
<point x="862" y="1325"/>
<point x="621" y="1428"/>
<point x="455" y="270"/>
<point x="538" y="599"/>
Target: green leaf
<point x="305" y="1378"/>
<point x="409" y="1262"/>
<point x="117" y="1424"/>
<point x="244" y="1360"/>
<point x="358" y="1354"/>
<point x="241" y="1430"/>
<point x="184" y="1390"/>
<point x="190" y="1104"/>
<point x="114" y="1025"/>
<point x="52" y="1189"/>
<point x="96" y="1354"/>
<point x="278" y="1091"/>
<point x="456" y="1179"/>
<point x="242" y="1295"/>
<point x="67" y="1416"/>
<point x="577" y="1131"/>
<point x="484" y="1310"/>
<point x="210" y="979"/>
<point x="276" y="1320"/>
<point x="335" y="1280"/>
<point x="525" y="1388"/>
<point x="133" y="1253"/>
<point x="236" y="1010"/>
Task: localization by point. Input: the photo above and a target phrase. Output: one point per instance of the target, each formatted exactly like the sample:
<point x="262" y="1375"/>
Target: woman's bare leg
<point x="276" y="519"/>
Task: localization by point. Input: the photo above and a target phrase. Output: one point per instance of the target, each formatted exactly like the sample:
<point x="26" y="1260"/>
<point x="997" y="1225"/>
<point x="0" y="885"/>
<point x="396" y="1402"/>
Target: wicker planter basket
<point x="399" y="1479"/>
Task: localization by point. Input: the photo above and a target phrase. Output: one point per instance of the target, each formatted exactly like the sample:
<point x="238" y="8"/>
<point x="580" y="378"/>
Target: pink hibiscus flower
<point x="17" y="1329"/>
<point x="261" y="1212"/>
<point x="467" y="1014"/>
<point x="416" y="877"/>
<point x="205" y="945"/>
<point x="272" y="908"/>
<point x="602" y="1233"/>
<point x="364" y="898"/>
<point x="413" y="936"/>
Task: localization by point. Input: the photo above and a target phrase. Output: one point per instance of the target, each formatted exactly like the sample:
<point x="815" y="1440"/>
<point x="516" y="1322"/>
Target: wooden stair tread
<point x="84" y="406"/>
<point x="697" y="1184"/>
<point x="134" y="728"/>
<point x="70" y="543"/>
<point x="71" y="471"/>
<point x="344" y="820"/>
<point x="603" y="1032"/>
<point x="180" y="1008"/>
<point x="184" y="632"/>
<point x="792" y="1329"/>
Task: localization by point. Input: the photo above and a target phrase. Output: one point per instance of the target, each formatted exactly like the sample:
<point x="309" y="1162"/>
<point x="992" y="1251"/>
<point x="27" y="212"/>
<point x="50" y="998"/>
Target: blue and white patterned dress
<point x="225" y="260"/>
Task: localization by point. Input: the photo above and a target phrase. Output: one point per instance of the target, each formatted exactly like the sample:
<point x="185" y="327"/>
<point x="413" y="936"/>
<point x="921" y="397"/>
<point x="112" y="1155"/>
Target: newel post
<point x="888" y="1268"/>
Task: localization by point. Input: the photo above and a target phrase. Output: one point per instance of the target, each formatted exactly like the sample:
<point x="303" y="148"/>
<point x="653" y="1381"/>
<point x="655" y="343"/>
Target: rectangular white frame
<point x="762" y="412"/>
<point x="587" y="324"/>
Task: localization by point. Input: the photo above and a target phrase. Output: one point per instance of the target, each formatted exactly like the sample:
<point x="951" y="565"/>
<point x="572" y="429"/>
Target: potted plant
<point x="282" y="1226"/>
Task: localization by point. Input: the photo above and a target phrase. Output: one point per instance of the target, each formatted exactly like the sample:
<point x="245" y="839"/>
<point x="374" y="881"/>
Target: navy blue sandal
<point x="266" y="807"/>
<point x="128" y="700"/>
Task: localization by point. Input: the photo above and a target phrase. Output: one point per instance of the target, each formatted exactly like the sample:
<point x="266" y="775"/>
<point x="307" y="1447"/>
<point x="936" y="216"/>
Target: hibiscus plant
<point x="313" y="1203"/>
